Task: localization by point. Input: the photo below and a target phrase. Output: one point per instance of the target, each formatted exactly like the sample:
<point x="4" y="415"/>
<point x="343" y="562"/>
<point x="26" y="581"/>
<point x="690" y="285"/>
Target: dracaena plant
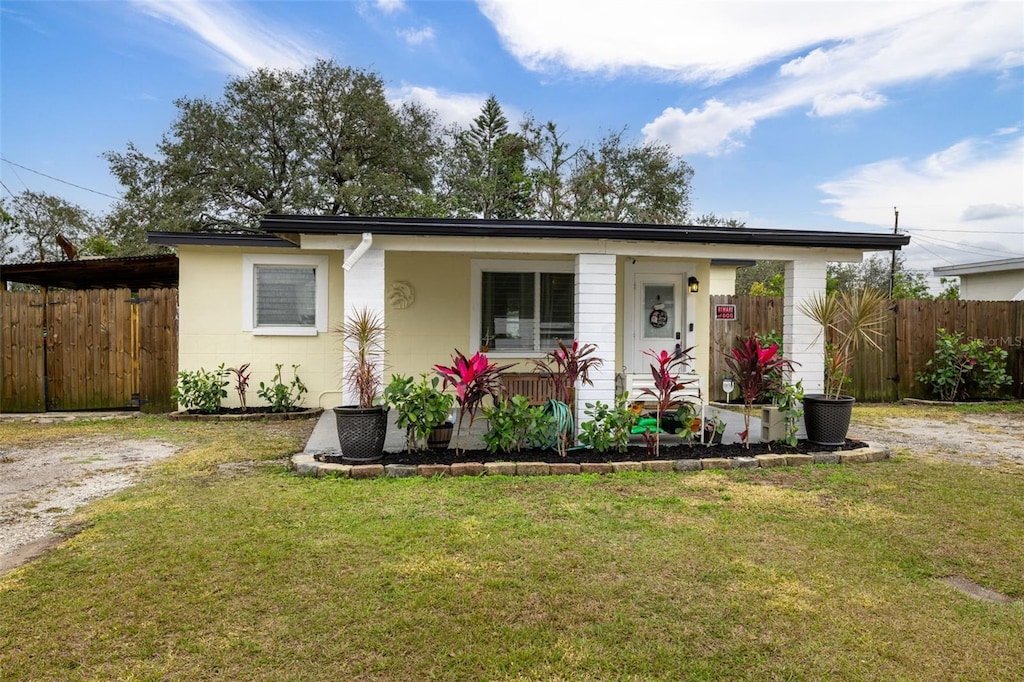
<point x="362" y="336"/>
<point x="566" y="367"/>
<point x="752" y="365"/>
<point x="666" y="369"/>
<point x="473" y="380"/>
<point x="242" y="375"/>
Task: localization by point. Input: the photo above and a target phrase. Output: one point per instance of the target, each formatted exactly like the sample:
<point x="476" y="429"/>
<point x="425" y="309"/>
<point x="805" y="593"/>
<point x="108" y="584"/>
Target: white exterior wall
<point x="364" y="288"/>
<point x="596" y="323"/>
<point x="992" y="286"/>
<point x="803" y="338"/>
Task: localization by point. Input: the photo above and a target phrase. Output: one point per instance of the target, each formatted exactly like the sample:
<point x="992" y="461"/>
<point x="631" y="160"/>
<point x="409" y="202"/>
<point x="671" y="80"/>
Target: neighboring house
<point x="991" y="280"/>
<point x="513" y="287"/>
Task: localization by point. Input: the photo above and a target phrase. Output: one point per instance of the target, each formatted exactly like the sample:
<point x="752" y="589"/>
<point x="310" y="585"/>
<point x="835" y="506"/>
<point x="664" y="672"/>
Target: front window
<point x="284" y="294"/>
<point x="525" y="310"/>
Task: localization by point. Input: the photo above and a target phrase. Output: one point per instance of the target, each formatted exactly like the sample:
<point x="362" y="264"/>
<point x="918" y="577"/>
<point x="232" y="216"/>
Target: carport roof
<point x="139" y="272"/>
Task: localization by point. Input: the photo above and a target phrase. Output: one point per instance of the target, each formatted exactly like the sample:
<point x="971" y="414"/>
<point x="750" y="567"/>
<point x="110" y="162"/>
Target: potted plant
<point x="849" y="321"/>
<point x="422" y="409"/>
<point x="363" y="427"/>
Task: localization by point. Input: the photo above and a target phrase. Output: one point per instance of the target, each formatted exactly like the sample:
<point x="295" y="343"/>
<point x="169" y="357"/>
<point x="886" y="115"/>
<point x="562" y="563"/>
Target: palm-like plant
<point x="853" y="320"/>
<point x="362" y="336"/>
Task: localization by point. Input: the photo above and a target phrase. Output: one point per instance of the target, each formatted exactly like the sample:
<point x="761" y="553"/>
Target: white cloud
<point x="710" y="131"/>
<point x="451" y="108"/>
<point x="959" y="204"/>
<point x="834" y="105"/>
<point x="992" y="212"/>
<point x="242" y="41"/>
<point x="836" y="58"/>
<point x="389" y="6"/>
<point x="416" y="36"/>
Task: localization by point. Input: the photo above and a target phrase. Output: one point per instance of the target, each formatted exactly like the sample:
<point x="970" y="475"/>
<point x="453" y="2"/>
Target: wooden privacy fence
<point x="88" y="349"/>
<point x="908" y="341"/>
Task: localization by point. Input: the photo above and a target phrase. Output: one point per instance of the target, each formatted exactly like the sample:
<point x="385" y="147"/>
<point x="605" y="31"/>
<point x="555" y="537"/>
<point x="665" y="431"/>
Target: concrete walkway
<point x="324" y="439"/>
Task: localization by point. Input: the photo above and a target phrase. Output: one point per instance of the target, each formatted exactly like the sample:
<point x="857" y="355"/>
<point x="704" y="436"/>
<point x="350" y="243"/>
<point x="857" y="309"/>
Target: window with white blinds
<point x="284" y="294"/>
<point x="524" y="310"/>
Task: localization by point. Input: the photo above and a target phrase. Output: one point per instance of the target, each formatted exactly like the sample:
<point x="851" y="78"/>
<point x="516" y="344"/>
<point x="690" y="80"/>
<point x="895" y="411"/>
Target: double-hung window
<point x="523" y="307"/>
<point x="284" y="294"/>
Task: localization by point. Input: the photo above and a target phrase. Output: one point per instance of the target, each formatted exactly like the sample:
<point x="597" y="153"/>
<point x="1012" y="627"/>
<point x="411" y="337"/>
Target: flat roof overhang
<point x="443" y="227"/>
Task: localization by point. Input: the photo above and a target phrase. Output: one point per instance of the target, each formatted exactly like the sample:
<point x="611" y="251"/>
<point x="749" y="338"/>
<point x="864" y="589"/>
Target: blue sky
<point x="818" y="115"/>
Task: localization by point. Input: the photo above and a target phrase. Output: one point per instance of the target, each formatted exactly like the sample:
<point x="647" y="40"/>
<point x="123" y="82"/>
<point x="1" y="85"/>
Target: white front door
<point x="658" y="317"/>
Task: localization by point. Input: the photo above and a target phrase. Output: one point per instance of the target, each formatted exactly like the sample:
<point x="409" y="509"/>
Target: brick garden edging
<point x="305" y="465"/>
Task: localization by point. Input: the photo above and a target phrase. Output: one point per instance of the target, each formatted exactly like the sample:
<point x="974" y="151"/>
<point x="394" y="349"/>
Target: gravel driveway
<point x="39" y="486"/>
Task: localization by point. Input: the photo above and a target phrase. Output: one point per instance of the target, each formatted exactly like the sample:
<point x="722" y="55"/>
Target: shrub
<point x="609" y="426"/>
<point x="201" y="390"/>
<point x="962" y="370"/>
<point x="514" y="424"/>
<point x="281" y="396"/>
<point x="241" y="383"/>
<point x="421" y="407"/>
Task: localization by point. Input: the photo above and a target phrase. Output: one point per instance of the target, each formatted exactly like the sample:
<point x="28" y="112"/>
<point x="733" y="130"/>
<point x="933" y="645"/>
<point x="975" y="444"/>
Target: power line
<point x="30" y="170"/>
<point x="977" y="250"/>
<point x="929" y="229"/>
<point x="7" y="188"/>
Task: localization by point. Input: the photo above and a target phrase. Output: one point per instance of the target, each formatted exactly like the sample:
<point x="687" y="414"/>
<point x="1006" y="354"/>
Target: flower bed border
<point x="304" y="464"/>
<point x="247" y="417"/>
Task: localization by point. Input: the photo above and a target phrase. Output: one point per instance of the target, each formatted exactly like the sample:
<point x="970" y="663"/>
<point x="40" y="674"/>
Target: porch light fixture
<point x="693" y="285"/>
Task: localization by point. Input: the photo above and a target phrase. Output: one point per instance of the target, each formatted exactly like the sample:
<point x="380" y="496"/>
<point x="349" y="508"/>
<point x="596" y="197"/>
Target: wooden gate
<point x="88" y="349"/>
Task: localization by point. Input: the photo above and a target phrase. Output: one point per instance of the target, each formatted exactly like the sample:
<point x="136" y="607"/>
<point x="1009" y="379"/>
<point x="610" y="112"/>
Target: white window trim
<point x="249" y="263"/>
<point x="478" y="267"/>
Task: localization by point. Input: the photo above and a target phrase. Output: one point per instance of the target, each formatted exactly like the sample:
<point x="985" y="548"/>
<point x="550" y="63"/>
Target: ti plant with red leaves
<point x="751" y="364"/>
<point x="473" y="379"/>
<point x="666" y="369"/>
<point x="566" y="367"/>
<point x="241" y="383"/>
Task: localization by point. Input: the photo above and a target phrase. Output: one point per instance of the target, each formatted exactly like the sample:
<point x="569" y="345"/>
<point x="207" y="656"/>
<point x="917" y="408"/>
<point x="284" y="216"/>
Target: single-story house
<point x="990" y="280"/>
<point x="512" y="287"/>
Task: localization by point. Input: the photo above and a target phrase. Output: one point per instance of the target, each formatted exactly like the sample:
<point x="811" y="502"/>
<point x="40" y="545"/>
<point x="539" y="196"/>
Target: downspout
<point x="358" y="252"/>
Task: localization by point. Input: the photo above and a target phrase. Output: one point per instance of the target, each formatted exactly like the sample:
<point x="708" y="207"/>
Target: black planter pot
<point x="361" y="433"/>
<point x="827" y="419"/>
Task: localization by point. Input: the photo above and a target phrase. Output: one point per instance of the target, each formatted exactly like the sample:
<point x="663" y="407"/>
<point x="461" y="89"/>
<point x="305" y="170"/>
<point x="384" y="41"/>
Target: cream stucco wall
<point x="210" y="326"/>
<point x="722" y="280"/>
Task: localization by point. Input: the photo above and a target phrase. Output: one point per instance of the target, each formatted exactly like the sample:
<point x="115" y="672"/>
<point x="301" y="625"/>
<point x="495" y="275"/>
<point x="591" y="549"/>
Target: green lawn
<point x="250" y="573"/>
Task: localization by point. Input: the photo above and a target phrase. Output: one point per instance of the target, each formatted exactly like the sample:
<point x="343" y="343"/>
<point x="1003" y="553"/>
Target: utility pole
<point x="895" y="308"/>
<point x="892" y="268"/>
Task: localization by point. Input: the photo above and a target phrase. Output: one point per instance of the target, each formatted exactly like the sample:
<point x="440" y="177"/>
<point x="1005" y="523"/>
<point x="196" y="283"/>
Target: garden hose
<point x="563" y="421"/>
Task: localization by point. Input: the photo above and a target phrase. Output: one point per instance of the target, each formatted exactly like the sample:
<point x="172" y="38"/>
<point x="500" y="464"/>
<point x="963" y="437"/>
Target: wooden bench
<point x="536" y="387"/>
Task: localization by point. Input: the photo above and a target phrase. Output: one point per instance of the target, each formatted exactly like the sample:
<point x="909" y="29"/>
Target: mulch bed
<point x="579" y="456"/>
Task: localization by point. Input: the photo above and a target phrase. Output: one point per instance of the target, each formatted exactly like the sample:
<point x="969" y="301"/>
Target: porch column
<point x="595" y="323"/>
<point x="364" y="288"/>
<point x="803" y="338"/>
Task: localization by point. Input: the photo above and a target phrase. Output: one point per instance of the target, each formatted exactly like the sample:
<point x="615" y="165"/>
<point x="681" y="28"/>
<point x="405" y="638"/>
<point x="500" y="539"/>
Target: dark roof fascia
<point x="733" y="262"/>
<point x="443" y="227"/>
<point x="256" y="239"/>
